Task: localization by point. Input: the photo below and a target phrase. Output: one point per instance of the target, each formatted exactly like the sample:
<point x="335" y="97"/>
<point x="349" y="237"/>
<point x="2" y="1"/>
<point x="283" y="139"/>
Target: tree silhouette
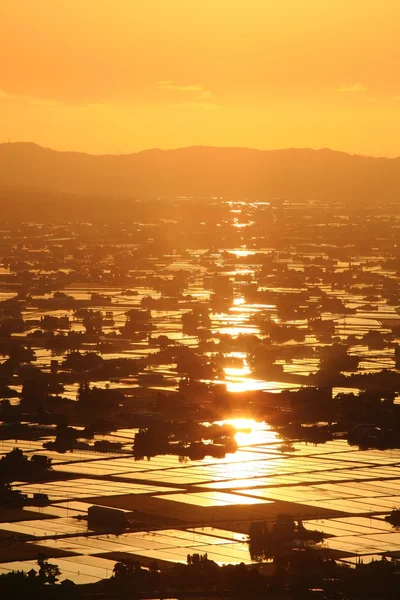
<point x="48" y="573"/>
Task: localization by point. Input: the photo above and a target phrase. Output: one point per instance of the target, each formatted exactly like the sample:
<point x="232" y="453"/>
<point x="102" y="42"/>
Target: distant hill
<point x="202" y="171"/>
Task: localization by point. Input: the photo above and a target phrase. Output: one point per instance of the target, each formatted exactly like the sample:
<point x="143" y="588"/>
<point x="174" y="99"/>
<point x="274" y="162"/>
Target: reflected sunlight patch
<point x="213" y="499"/>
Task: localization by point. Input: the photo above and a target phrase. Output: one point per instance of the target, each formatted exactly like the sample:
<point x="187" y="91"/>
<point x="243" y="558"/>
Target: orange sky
<point x="124" y="75"/>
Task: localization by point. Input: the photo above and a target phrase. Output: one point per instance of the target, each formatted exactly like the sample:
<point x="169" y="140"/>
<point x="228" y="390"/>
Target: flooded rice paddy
<point x="276" y="291"/>
<point x="336" y="489"/>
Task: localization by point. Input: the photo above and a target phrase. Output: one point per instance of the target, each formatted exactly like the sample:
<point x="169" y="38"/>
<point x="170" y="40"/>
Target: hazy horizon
<point x="215" y="146"/>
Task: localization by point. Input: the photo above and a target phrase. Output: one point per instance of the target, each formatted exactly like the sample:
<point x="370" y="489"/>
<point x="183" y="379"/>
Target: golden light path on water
<point x="249" y="433"/>
<point x="237" y="380"/>
<point x="237" y="377"/>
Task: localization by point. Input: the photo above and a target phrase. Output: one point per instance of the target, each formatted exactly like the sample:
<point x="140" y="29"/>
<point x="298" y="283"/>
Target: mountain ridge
<point x="195" y="147"/>
<point x="298" y="173"/>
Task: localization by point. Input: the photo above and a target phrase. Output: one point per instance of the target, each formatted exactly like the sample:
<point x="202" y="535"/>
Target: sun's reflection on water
<point x="241" y="466"/>
<point x="251" y="432"/>
<point x="237" y="371"/>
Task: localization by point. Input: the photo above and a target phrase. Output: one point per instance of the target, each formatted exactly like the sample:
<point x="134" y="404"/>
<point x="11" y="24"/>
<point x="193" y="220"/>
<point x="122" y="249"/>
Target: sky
<point x="120" y="76"/>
